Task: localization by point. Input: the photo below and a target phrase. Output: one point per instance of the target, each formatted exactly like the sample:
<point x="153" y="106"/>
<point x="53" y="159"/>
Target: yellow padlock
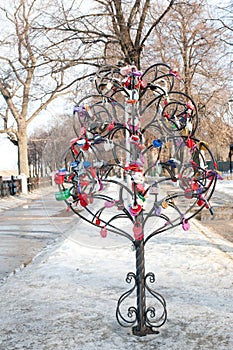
<point x="203" y="145"/>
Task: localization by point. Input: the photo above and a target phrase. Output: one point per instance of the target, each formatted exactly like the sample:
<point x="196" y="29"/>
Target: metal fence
<point x="222" y="166"/>
<point x="13" y="185"/>
<point x="10" y="187"/>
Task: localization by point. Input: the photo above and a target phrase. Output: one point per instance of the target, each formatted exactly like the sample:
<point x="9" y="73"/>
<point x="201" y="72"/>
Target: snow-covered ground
<point x="17" y="200"/>
<point x="226" y="185"/>
<point x="66" y="298"/>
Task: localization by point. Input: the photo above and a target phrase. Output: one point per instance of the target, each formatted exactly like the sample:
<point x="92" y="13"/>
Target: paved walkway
<point x="27" y="226"/>
<point x="66" y="298"/>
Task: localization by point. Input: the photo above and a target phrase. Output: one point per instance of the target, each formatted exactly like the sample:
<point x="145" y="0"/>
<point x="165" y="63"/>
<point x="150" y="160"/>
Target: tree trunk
<point x="23" y="151"/>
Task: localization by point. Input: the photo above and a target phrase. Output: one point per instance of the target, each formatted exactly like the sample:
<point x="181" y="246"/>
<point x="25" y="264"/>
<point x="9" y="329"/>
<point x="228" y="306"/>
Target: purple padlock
<point x="158" y="211"/>
<point x="137" y="73"/>
<point x="109" y="204"/>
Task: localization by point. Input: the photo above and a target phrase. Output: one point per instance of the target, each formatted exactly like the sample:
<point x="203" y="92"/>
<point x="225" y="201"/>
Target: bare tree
<point x="46" y="148"/>
<point x="36" y="146"/>
<point x="224" y="21"/>
<point x="113" y="29"/>
<point x="34" y="69"/>
<point x="191" y="42"/>
<point x="46" y="40"/>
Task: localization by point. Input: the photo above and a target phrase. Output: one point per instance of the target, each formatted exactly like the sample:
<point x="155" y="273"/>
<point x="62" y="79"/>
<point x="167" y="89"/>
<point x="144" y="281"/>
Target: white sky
<point x="8" y="154"/>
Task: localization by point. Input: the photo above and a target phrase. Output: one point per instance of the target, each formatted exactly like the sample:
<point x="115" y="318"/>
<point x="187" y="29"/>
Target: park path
<point x="66" y="297"/>
<point x="27" y="226"/>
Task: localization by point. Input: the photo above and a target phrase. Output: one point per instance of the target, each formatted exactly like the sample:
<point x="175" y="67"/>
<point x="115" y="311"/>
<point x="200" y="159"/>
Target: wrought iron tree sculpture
<point x="136" y="169"/>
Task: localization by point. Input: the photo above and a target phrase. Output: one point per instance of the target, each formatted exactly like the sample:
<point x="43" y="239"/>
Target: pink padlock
<point x="109" y="204"/>
<point x="127" y="70"/>
<point x="140" y="188"/>
<point x="138" y="231"/>
<point x="194" y="185"/>
<point x="101" y="185"/>
<point x="103" y="232"/>
<point x="185" y="225"/>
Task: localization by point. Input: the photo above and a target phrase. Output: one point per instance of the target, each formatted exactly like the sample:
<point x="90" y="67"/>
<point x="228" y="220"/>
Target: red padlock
<point x="86" y="146"/>
<point x="83" y="199"/>
<point x="135" y="210"/>
<point x="143" y="84"/>
<point x="190" y="105"/>
<point x="200" y="202"/>
<point x="59" y="179"/>
<point x="194" y="185"/>
<point x="190" y="143"/>
<point x="111" y="126"/>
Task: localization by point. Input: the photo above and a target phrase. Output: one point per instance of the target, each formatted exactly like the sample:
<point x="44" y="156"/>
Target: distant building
<point x="8" y="157"/>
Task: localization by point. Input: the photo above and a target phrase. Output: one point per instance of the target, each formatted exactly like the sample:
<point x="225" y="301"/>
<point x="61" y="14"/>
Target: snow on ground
<point x="17" y="200"/>
<point x="66" y="299"/>
<point x="225" y="186"/>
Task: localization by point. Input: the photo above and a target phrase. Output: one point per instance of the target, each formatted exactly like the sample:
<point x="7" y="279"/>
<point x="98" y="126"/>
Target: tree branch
<point x="157" y="21"/>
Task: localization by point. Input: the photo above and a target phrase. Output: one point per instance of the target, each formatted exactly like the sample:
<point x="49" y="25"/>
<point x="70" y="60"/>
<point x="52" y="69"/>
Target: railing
<point x="223" y="166"/>
<point x="10" y="187"/>
<point x="13" y="185"/>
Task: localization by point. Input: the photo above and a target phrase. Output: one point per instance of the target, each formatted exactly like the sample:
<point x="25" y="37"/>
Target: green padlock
<point x="141" y="197"/>
<point x="62" y="195"/>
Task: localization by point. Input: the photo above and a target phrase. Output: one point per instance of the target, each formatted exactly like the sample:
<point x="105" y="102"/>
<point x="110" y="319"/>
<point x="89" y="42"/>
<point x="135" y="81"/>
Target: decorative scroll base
<point x="145" y="320"/>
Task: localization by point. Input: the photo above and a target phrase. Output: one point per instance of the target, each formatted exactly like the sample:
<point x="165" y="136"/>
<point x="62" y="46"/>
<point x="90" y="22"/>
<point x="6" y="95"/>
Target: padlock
<point x="138" y="231"/>
<point x="103" y="232"/>
<point x="185" y="225"/>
